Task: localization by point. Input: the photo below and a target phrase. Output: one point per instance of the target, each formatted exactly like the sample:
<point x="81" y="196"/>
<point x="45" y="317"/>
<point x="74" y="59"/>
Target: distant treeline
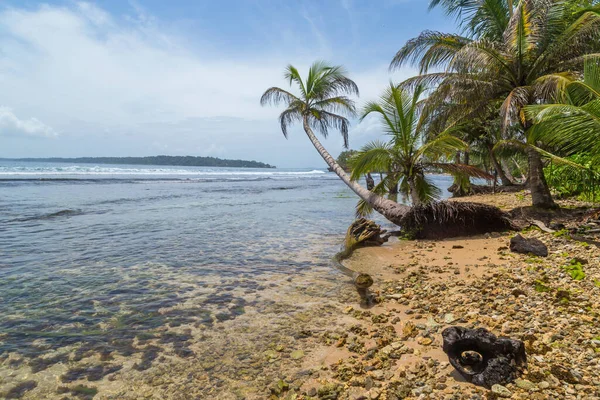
<point x="157" y="160"/>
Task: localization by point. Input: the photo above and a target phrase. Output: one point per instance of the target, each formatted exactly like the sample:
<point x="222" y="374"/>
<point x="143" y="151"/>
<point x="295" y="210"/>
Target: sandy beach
<point x="393" y="350"/>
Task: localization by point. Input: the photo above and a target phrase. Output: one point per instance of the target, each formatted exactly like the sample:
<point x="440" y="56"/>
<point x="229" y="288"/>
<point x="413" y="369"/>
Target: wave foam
<point x="98" y="170"/>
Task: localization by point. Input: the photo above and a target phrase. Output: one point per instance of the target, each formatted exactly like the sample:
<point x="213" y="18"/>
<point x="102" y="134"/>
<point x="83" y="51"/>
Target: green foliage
<point x="575" y="270"/>
<point x="344" y="159"/>
<point x="597" y="282"/>
<point x="410" y="151"/>
<point x="541" y="287"/>
<point x="513" y="54"/>
<point x="320" y="102"/>
<point x="159" y="160"/>
<point x="568" y="182"/>
<point x="562" y="233"/>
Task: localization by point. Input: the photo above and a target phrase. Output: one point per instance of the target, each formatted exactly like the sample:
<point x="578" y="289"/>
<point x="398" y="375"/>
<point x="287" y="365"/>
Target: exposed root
<point x="450" y="219"/>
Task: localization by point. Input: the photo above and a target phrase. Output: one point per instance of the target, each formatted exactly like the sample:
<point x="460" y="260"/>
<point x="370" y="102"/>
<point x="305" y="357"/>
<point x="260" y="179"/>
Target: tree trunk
<point x="498" y="167"/>
<point x="434" y="220"/>
<point x="540" y="192"/>
<point x="414" y="194"/>
<point x="394" y="189"/>
<point x="370" y="181"/>
<point x="389" y="209"/>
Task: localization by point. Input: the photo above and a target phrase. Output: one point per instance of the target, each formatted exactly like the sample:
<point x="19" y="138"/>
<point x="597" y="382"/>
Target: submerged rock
<point x="482" y="358"/>
<point x="519" y="244"/>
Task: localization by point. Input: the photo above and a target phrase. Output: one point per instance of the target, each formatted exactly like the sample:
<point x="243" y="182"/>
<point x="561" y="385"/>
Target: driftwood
<point x="542" y="226"/>
<point x="364" y="232"/>
<point x="482" y="358"/>
<point x="361" y="233"/>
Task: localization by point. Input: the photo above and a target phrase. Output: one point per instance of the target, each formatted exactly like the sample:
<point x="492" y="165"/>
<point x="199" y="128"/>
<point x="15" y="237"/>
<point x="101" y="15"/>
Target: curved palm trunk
<point x="540" y="192"/>
<point x="389" y="209"/>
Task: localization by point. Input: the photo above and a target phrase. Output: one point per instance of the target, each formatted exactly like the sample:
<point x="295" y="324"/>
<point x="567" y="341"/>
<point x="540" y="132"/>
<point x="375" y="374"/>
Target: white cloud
<point x="10" y="125"/>
<point x="128" y="86"/>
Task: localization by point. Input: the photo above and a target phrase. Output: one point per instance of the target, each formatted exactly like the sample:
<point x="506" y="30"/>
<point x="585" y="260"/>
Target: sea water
<point x="125" y="275"/>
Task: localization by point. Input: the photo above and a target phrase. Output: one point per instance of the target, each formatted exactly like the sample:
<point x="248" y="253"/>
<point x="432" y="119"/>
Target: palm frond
<point x="374" y="156"/>
<point x="430" y="49"/>
<point x="292" y="75"/>
<point x="462" y="169"/>
<point x="277" y="95"/>
<point x="427" y="191"/>
<point x="287" y="118"/>
<point x="440" y="146"/>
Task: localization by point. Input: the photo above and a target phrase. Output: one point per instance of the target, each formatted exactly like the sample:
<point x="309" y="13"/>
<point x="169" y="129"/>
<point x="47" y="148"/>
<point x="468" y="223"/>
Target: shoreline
<point x="393" y="349"/>
<point x="304" y="335"/>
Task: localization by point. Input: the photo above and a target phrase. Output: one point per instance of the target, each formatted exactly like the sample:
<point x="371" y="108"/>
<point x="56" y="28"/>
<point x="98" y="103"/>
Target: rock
<point x="296" y="354"/>
<point x="331" y="391"/>
<point x="449" y="318"/>
<point x="543" y="385"/>
<point x="458" y="246"/>
<point x="495" y="361"/>
<point x="409" y="330"/>
<point x="424" y="341"/>
<point x="563" y="374"/>
<point x="501" y="391"/>
<point x="525" y="384"/>
<point x="519" y="244"/>
<point x="279" y="387"/>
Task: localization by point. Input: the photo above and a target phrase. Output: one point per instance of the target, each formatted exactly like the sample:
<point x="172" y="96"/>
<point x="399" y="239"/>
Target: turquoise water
<point x="114" y="261"/>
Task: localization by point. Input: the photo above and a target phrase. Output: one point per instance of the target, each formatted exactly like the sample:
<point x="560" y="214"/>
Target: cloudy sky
<point x="148" y="77"/>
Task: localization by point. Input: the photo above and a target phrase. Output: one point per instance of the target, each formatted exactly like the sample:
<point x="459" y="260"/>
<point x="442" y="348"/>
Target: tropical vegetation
<point x="511" y="54"/>
<point x="410" y="153"/>
<point x="516" y="93"/>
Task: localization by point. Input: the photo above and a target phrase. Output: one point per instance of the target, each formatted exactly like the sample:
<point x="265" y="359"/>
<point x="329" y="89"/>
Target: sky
<point x="184" y="77"/>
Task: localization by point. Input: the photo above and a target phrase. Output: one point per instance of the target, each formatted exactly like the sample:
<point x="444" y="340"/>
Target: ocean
<point x="118" y="276"/>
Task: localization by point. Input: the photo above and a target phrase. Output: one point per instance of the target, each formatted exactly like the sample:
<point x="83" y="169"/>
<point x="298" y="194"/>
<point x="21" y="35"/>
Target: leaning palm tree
<point x="322" y="104"/>
<point x="411" y="150"/>
<point x="518" y="53"/>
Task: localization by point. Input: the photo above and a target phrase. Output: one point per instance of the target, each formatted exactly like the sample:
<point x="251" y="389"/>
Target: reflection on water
<point x="181" y="285"/>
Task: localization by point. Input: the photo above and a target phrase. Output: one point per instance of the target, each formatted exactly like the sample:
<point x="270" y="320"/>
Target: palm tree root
<point x="446" y="219"/>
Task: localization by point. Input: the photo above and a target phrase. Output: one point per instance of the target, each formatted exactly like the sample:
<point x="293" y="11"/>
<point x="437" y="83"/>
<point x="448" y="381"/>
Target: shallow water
<point x="112" y="276"/>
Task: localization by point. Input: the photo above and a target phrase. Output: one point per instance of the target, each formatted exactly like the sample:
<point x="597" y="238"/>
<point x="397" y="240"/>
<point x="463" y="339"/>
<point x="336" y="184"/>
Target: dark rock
<point x="579" y="260"/>
<point x="563" y="374"/>
<point x="18" y="391"/>
<point x="557" y="226"/>
<point x="458" y="246"/>
<point x="519" y="244"/>
<point x="482" y="358"/>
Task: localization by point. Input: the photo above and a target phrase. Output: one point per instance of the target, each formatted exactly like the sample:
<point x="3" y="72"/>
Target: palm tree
<point x="410" y="152"/>
<point x="573" y="123"/>
<point x="518" y="53"/>
<point x="321" y="105"/>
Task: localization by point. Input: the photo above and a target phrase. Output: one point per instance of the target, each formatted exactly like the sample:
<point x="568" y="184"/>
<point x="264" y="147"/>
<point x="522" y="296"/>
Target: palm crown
<point x="322" y="101"/>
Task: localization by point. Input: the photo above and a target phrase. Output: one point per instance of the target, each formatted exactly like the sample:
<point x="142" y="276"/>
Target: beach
<point x="109" y="295"/>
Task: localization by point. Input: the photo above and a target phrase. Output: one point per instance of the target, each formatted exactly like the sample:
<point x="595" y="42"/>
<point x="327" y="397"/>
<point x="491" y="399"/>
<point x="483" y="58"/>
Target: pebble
<point x="501" y="391"/>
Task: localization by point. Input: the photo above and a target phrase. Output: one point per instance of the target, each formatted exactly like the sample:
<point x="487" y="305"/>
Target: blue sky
<point x="147" y="77"/>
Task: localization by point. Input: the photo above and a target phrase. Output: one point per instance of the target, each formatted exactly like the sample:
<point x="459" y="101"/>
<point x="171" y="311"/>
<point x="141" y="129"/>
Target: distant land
<point x="188" y="161"/>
